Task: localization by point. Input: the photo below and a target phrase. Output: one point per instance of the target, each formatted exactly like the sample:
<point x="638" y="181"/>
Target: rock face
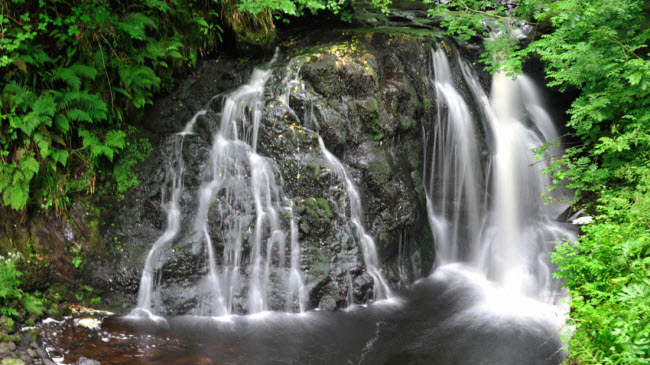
<point x="367" y="95"/>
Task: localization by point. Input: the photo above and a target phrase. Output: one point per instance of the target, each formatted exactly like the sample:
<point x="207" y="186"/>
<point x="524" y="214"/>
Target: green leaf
<point x="43" y="144"/>
<point x="62" y="123"/>
<point x="79" y="115"/>
<point x="115" y="139"/>
<point x="134" y="24"/>
<point x="5" y="180"/>
<point x="30" y="167"/>
<point x="59" y="156"/>
<point x="15" y="196"/>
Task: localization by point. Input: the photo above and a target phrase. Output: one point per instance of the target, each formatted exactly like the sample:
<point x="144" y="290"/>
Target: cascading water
<point x="296" y="285"/>
<point x="455" y="199"/>
<point x="175" y="172"/>
<point x="489" y="212"/>
<point x="380" y="286"/>
<point x="247" y="195"/>
<point x="241" y="190"/>
<point x="256" y="250"/>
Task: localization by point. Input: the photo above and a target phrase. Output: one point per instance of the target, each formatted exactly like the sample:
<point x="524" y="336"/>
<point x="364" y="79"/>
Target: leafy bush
<point x="607" y="277"/>
<point x="11" y="296"/>
<point x="72" y="72"/>
<point x="9" y="282"/>
<point x="299" y="7"/>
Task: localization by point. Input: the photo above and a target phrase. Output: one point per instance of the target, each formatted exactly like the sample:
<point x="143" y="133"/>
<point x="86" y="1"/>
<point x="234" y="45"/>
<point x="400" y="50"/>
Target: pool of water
<point x="454" y="316"/>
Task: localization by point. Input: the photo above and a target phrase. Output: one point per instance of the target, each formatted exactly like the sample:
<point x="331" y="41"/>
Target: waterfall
<point x="297" y="288"/>
<point x="527" y="230"/>
<point x="242" y="201"/>
<point x="488" y="211"/>
<point x="239" y="194"/>
<point x="380" y="286"/>
<point x="483" y="196"/>
<point x="455" y="202"/>
<point x="175" y="170"/>
<point x="245" y="182"/>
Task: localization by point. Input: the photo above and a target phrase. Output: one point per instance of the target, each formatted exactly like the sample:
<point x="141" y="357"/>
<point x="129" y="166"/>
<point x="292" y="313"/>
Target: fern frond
<point x="62" y="123"/>
<point x="84" y="71"/>
<point x="115" y="139"/>
<point x="30" y="167"/>
<point x="135" y="24"/>
<point x="68" y="76"/>
<point x="45" y="105"/>
<point x="16" y="195"/>
<point x="41" y="114"/>
<point x="59" y="156"/>
<point x="157" y="4"/>
<point x="19" y="96"/>
<point x="91" y="105"/>
<point x="78" y="115"/>
<point x="43" y="142"/>
<point x="6" y="171"/>
<point x="72" y="75"/>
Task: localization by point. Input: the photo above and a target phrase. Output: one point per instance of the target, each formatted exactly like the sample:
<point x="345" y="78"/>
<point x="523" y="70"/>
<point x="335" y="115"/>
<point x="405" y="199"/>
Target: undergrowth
<point x="74" y="74"/>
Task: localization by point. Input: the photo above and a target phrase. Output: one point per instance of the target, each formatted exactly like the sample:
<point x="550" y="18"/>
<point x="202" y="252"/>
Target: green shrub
<point x="12" y="297"/>
<point x="607" y="277"/>
<point x="72" y="72"/>
<point x="9" y="282"/>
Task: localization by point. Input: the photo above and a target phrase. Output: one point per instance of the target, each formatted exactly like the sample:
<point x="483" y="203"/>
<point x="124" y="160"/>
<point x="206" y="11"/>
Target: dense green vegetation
<point x="10" y="292"/>
<point x="600" y="48"/>
<point x="74" y="73"/>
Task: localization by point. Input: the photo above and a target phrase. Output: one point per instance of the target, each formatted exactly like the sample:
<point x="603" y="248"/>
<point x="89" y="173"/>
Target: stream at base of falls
<point x="455" y="316"/>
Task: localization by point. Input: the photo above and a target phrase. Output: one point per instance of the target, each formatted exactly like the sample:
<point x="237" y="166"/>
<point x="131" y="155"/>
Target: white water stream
<point x="241" y="190"/>
<point x="487" y="210"/>
<point x="483" y="189"/>
<point x="241" y="196"/>
<point x="380" y="286"/>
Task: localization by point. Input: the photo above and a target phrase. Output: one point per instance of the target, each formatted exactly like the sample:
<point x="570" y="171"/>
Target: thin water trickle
<point x="381" y="290"/>
<point x="297" y="291"/>
<point x="242" y="200"/>
<point x="174" y="176"/>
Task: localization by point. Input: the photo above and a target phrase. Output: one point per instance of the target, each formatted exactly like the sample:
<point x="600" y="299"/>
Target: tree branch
<point x="546" y="158"/>
<point x="462" y="5"/>
<point x="624" y="47"/>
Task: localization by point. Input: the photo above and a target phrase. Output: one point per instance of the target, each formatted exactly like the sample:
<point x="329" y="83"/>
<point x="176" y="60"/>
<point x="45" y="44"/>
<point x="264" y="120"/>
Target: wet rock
<point x="327" y="303"/>
<point x="12" y="346"/>
<point x="86" y="361"/>
<point x="48" y="362"/>
<point x="344" y="69"/>
<point x="4" y="348"/>
<point x="12" y="362"/>
<point x="366" y="94"/>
